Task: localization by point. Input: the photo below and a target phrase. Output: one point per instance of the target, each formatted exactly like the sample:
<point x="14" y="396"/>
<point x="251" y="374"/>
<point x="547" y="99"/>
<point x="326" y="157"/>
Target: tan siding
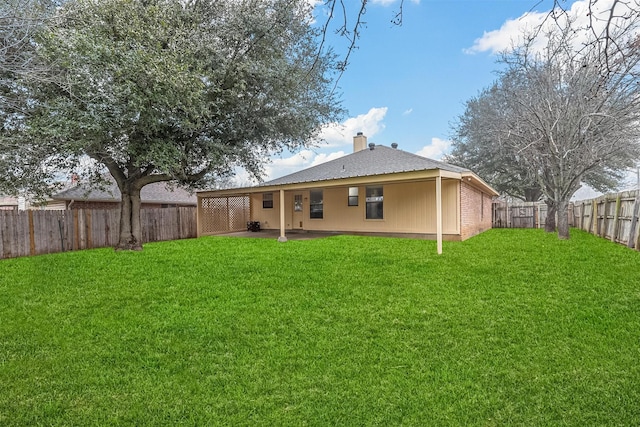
<point x="269" y="218"/>
<point x="408" y="208"/>
<point x="450" y="207"/>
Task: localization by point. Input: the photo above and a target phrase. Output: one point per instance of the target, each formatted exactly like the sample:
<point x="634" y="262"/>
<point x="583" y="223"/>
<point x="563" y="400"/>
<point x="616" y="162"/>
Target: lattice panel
<point x="239" y="212"/>
<point x="224" y="214"/>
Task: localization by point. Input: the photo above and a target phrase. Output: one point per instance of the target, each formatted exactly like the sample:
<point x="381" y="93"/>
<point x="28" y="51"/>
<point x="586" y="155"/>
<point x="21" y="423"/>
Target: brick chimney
<point x="359" y="142"/>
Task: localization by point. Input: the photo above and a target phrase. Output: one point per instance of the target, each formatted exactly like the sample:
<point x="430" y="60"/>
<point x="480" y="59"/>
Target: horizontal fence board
<point x="32" y="232"/>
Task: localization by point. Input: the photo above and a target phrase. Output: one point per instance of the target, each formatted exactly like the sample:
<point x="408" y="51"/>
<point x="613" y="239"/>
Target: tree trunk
<point x="563" y="219"/>
<point x="550" y="223"/>
<point x="130" y="228"/>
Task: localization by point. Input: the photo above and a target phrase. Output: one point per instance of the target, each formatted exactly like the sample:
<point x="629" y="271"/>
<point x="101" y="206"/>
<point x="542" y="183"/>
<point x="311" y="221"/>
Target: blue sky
<point x="408" y="83"/>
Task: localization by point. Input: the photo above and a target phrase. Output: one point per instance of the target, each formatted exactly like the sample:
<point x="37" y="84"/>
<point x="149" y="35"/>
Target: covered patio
<point x="374" y="191"/>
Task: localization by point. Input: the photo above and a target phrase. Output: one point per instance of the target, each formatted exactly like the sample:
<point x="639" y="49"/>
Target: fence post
<point x="594" y="219"/>
<point x="572" y="217"/>
<point x="616" y="215"/>
<point x="602" y="225"/>
<point x="634" y="224"/>
<point x="76" y="230"/>
<point x="179" y="224"/>
<point x="88" y="226"/>
<point x="32" y="237"/>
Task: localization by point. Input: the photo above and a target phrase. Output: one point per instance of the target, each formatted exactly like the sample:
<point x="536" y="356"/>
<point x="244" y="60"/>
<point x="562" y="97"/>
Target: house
<point x="375" y="190"/>
<point x="8" y="203"/>
<point x="11" y="203"/>
<point x="83" y="196"/>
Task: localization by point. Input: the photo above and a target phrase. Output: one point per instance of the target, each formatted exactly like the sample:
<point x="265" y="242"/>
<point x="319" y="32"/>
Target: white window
<point x="315" y="204"/>
<point x="267" y="201"/>
<point x="353" y="196"/>
<point x="375" y="200"/>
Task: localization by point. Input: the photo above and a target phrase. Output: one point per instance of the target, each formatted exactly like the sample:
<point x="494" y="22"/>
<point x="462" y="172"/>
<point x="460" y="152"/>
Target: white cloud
<point x="284" y="166"/>
<point x="511" y="32"/>
<point x="436" y="150"/>
<point x="323" y="158"/>
<point x="508" y="35"/>
<point x="339" y="134"/>
<point x="298" y="161"/>
<point x="335" y="135"/>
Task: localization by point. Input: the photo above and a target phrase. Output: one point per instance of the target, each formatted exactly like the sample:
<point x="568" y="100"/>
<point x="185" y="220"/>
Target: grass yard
<point x="512" y="327"/>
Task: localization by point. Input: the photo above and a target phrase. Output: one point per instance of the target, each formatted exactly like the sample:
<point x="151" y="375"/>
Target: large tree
<point x="170" y="90"/>
<point x="569" y="112"/>
<point x="474" y="146"/>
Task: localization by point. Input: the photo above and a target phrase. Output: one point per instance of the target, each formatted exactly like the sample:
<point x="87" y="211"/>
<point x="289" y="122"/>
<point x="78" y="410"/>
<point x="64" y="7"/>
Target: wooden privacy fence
<point x="613" y="217"/>
<point x="32" y="232"/>
<point x="520" y="214"/>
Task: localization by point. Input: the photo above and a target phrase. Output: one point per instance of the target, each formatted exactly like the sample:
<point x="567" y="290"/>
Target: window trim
<point x="312" y="205"/>
<point x="267" y="200"/>
<point x="379" y="200"/>
<point x="351" y="198"/>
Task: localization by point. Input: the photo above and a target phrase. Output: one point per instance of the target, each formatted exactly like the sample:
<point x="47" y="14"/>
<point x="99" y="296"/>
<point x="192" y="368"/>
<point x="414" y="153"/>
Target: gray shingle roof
<point x="152" y="193"/>
<point x="381" y="160"/>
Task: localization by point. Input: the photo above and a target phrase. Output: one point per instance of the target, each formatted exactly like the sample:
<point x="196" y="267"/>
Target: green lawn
<point x="512" y="327"/>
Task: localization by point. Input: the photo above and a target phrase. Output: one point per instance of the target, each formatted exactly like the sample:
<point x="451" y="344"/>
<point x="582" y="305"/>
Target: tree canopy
<point x="475" y="147"/>
<point x="168" y="90"/>
<point x="558" y="116"/>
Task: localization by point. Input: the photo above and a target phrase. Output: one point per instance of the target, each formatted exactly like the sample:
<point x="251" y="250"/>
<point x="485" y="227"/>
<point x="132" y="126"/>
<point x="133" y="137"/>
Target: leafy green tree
<point x="168" y="90"/>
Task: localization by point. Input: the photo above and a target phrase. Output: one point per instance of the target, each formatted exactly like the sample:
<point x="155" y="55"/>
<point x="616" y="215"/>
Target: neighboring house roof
<point x="151" y="193"/>
<point x="380" y="160"/>
<point x="8" y="201"/>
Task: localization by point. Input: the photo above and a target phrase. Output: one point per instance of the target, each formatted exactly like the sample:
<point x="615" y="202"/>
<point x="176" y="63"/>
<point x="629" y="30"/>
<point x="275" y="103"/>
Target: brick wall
<point x="475" y="215"/>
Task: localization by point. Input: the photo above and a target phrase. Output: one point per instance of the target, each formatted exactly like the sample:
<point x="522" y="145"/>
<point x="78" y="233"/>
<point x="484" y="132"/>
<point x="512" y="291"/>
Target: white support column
<point x="199" y="217"/>
<point x="282" y="237"/>
<point x="439" y="212"/>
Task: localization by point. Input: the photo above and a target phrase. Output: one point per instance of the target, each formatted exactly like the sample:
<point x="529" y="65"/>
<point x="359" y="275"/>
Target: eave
<point x="411" y="176"/>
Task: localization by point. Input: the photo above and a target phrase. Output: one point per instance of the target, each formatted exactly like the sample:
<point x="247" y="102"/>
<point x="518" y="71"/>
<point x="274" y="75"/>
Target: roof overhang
<point x="411" y="176"/>
<point x="475" y="181"/>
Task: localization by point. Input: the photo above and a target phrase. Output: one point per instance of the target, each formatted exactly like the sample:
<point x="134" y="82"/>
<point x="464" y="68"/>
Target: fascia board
<point x="342" y="182"/>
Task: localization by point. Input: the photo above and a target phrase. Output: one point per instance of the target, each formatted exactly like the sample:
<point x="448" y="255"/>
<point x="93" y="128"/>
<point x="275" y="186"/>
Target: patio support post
<point x="199" y="217"/>
<point x="439" y="212"/>
<point x="282" y="237"/>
